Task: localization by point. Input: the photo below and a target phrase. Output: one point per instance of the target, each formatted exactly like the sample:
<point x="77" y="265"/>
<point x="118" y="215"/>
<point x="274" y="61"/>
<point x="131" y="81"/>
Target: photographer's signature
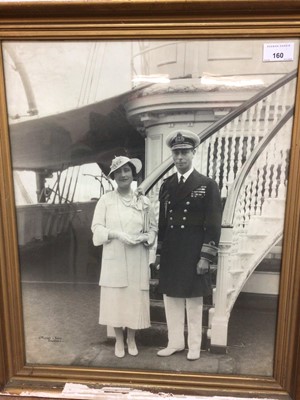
<point x="51" y="339"/>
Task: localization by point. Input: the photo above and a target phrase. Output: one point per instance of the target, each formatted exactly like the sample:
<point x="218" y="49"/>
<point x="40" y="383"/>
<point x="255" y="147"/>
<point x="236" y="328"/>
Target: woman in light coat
<point x="125" y="225"/>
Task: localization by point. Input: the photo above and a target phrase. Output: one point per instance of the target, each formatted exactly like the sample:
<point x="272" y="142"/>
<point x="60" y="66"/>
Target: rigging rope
<point x="92" y="74"/>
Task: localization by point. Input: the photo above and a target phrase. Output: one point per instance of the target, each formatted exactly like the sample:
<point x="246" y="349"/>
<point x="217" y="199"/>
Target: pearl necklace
<point x="126" y="199"/>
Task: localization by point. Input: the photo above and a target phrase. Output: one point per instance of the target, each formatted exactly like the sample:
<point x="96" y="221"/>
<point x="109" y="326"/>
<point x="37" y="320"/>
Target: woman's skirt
<point x="127" y="306"/>
<point x="124" y="307"/>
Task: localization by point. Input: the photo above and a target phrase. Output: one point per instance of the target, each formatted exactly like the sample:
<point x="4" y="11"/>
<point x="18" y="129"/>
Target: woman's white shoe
<point x="119" y="350"/>
<point x="132" y="349"/>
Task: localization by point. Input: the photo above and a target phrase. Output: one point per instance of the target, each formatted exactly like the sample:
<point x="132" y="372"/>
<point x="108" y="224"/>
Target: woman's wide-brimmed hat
<point x="119" y="161"/>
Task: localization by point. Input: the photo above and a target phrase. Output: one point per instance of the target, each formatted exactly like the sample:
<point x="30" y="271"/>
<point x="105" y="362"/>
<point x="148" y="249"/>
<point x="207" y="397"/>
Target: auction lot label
<point x="278" y="52"/>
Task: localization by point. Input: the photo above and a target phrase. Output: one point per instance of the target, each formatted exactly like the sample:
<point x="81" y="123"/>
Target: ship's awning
<point x="93" y="133"/>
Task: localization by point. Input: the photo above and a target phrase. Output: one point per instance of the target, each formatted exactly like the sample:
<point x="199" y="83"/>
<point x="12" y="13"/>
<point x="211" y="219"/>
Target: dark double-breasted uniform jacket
<point x="189" y="228"/>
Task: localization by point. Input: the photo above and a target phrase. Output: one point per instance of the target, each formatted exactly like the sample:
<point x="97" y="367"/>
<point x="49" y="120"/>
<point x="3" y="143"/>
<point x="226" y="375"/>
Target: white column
<point x="219" y="322"/>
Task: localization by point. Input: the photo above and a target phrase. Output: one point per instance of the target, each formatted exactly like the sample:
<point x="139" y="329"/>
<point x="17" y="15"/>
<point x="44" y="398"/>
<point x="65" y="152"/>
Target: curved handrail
<point x="210" y="130"/>
<point x="234" y="191"/>
<point x="166" y="165"/>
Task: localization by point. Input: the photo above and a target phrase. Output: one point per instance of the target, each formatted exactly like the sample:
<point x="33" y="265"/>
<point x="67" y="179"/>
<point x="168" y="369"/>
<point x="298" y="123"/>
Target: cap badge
<point x="179" y="139"/>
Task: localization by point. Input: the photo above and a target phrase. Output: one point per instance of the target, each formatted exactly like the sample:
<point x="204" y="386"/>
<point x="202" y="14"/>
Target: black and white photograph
<point x="150" y="181"/>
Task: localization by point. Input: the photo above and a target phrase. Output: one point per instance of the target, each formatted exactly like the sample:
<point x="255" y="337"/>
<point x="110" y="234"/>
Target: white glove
<point x="143" y="238"/>
<point x="202" y="266"/>
<point x="151" y="239"/>
<point x="123" y="237"/>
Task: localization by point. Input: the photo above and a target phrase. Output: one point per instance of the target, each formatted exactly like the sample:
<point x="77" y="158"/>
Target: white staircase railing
<point x="252" y="222"/>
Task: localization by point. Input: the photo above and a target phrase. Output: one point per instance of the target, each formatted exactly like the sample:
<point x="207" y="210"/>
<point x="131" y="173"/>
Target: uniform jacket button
<point x="171" y="218"/>
<point x="184" y="218"/>
<point x="172" y="226"/>
<point x="182" y="227"/>
<point x="187" y="203"/>
<point x="185" y="210"/>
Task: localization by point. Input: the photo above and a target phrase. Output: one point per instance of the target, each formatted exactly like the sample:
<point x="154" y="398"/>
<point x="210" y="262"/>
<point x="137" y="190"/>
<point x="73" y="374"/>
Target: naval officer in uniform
<point x="188" y="236"/>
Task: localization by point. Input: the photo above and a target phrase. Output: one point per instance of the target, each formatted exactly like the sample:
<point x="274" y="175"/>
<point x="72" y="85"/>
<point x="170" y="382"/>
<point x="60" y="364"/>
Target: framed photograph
<point x="90" y="88"/>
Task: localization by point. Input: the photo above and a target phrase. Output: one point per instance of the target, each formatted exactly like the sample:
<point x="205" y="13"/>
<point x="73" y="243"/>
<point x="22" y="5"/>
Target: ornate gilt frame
<point x="77" y="19"/>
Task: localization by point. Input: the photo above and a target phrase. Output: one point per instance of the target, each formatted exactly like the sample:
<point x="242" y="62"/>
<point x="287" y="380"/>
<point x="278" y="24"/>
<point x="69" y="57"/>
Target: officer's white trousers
<point x="175" y="315"/>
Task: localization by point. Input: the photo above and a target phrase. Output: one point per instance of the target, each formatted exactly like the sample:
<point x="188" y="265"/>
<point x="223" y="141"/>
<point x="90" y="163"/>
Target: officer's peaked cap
<point x="182" y="139"/>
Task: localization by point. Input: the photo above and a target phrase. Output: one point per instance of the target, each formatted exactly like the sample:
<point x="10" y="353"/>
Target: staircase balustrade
<point x="252" y="219"/>
<point x="252" y="222"/>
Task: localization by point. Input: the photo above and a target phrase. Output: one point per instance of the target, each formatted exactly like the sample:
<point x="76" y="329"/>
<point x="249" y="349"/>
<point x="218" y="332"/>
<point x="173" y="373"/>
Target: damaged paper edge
<point x="79" y="391"/>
